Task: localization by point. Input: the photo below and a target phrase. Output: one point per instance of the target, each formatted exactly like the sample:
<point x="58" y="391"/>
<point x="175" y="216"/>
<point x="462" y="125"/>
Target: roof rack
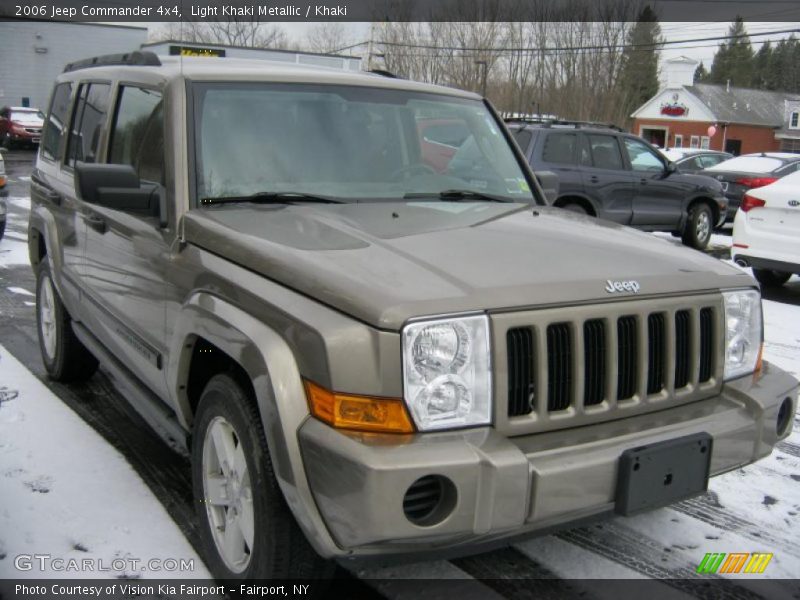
<point x="131" y="59"/>
<point x="563" y="123"/>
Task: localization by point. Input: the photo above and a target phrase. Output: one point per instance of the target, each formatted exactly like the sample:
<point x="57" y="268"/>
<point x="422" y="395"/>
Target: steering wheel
<point x="403" y="173"/>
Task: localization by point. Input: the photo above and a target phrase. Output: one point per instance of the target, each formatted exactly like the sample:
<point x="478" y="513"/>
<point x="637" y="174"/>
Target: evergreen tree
<point x="734" y="60"/>
<point x="761" y="64"/>
<point x="700" y="73"/>
<point x="639" y="74"/>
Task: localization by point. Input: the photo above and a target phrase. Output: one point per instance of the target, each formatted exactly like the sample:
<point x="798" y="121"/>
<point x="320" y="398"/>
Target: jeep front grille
<point x="605" y="361"/>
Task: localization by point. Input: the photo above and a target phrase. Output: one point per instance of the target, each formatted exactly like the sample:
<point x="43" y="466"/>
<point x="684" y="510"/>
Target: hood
<point x="384" y="263"/>
<point x="699" y="180"/>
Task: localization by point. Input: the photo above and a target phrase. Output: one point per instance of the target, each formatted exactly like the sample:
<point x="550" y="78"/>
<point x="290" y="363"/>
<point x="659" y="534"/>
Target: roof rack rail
<point x="131" y="59"/>
<point x="546" y="122"/>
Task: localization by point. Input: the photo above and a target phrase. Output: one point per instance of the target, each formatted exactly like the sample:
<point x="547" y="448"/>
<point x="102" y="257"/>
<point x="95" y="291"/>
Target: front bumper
<point x="512" y="487"/>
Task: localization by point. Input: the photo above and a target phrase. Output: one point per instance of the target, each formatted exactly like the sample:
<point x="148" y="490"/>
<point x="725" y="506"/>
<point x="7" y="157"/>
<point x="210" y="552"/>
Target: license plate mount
<point x="659" y="474"/>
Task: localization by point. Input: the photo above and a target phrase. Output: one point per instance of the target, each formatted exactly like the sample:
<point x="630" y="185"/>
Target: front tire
<point x="246" y="528"/>
<point x="699" y="225"/>
<point x="771" y="279"/>
<point x="65" y="358"/>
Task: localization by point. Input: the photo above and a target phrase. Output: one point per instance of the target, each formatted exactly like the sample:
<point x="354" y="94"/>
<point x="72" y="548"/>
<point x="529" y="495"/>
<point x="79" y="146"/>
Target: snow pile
<point x="68" y="494"/>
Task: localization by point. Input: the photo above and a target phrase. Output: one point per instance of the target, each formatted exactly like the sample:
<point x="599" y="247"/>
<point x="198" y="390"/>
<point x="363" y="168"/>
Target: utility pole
<point x="485" y="69"/>
<point x="370" y="45"/>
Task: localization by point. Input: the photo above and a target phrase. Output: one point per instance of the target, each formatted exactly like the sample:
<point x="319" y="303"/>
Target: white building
<point x="33" y="54"/>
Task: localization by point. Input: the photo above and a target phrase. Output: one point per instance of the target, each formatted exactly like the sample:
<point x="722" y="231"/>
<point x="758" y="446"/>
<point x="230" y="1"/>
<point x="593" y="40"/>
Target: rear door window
<point x="87" y="123"/>
<point x="56" y="121"/>
<point x="605" y="152"/>
<point x="559" y="148"/>
<point x="137" y="134"/>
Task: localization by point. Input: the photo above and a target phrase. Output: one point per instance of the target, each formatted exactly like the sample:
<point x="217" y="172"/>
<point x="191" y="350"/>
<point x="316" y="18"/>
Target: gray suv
<point x="367" y="354"/>
<point x="607" y="173"/>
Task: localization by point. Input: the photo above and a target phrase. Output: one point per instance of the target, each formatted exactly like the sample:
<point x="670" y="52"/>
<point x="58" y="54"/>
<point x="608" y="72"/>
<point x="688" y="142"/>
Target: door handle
<point x="643" y="181"/>
<point x="594" y="179"/>
<point x="96" y="222"/>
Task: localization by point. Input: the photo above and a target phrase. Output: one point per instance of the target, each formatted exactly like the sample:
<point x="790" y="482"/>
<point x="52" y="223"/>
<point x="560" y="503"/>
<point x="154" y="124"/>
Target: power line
<point x="475" y="54"/>
<point x="545" y="49"/>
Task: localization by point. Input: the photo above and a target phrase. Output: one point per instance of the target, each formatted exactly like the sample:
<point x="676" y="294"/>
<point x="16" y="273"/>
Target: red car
<point x="20" y="126"/>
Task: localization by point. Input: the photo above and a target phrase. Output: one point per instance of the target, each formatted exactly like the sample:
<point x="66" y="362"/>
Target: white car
<point x="766" y="231"/>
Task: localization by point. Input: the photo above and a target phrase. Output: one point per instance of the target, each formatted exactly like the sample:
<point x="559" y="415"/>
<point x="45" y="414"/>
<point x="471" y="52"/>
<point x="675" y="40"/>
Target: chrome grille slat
<point x="594" y="363"/>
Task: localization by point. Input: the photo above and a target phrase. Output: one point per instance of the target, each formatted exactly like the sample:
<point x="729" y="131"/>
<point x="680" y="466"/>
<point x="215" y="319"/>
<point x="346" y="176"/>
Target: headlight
<point x="743" y="335"/>
<point x="446" y="372"/>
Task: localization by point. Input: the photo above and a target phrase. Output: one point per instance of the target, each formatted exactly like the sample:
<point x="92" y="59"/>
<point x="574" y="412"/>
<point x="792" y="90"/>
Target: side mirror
<point x="118" y="187"/>
<point x="671" y="167"/>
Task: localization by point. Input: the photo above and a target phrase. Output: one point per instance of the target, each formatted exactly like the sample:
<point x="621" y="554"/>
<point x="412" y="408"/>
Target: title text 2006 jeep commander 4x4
<point x="368" y="355"/>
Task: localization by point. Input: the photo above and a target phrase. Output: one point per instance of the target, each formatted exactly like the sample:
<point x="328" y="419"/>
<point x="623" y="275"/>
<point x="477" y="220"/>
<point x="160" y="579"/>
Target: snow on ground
<point x="13" y="246"/>
<point x="68" y="494"/>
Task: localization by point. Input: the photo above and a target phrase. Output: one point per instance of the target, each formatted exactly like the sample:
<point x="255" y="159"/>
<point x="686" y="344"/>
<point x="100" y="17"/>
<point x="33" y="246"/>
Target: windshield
<point x="351" y="143"/>
<point x="27" y="116"/>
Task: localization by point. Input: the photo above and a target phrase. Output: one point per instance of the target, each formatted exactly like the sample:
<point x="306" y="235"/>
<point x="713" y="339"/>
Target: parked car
<point x="367" y="358"/>
<point x="606" y="173"/>
<point x="766" y="231"/>
<point x="693" y="160"/>
<point x="749" y="171"/>
<point x="20" y="126"/>
<point x="3" y="194"/>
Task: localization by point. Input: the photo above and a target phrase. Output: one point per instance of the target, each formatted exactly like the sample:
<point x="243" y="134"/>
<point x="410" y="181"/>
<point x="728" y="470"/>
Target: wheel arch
<point x="576" y="199"/>
<point x="211" y="326"/>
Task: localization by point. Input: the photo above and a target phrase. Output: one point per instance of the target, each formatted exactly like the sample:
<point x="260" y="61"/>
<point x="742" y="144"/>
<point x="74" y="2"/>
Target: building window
<point x="790" y="145"/>
<point x="694" y="141"/>
<point x="704" y="142"/>
<point x="678" y="140"/>
<point x="794" y="120"/>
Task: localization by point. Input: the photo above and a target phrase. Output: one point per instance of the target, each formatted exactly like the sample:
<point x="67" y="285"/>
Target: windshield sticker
<point x="479" y="183"/>
<point x="514" y="186"/>
<point x="523" y="185"/>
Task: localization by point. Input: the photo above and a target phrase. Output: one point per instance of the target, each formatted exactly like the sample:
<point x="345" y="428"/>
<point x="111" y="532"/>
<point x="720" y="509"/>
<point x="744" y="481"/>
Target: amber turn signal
<point x="759" y="360"/>
<point x="362" y="413"/>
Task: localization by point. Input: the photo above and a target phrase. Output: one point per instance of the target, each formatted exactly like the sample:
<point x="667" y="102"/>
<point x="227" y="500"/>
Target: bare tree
<point x="328" y="37"/>
<point x="249" y="33"/>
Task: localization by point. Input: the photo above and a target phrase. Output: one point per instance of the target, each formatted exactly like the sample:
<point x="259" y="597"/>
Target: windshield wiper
<point x="273" y="198"/>
<point x="457" y="196"/>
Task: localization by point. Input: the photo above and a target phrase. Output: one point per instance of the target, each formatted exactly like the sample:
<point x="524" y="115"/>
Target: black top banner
<point x="398" y="10"/>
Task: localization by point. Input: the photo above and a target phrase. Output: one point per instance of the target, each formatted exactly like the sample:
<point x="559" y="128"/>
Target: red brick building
<point x="719" y="117"/>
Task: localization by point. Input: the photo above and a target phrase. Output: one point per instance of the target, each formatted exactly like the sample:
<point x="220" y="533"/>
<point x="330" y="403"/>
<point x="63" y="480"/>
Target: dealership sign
<point x="195" y="51"/>
<point x="674" y="109"/>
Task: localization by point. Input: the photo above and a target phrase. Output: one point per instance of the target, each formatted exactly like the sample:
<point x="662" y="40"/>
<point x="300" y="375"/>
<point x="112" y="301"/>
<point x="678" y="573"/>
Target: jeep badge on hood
<point x="622" y="286"/>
